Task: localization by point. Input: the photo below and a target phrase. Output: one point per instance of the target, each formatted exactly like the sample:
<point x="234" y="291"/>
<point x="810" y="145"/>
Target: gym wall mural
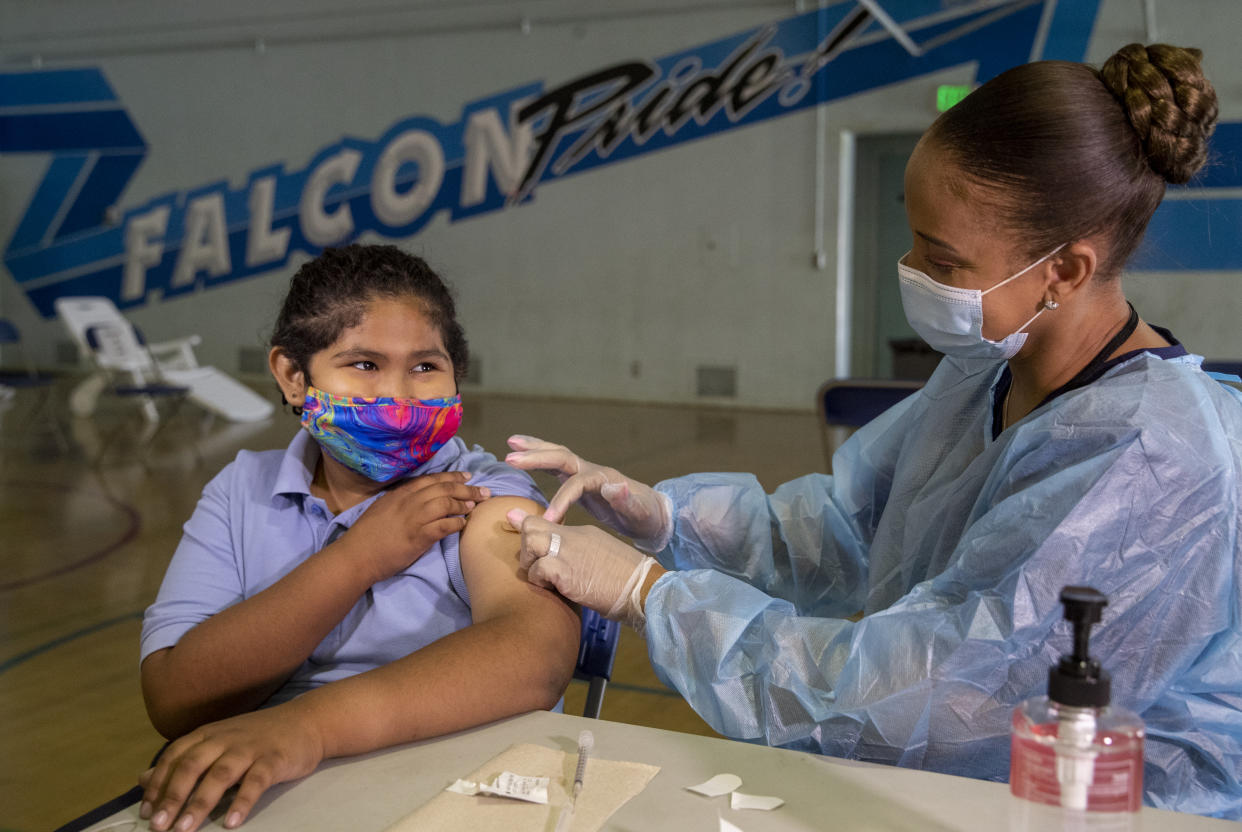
<point x="79" y="237"/>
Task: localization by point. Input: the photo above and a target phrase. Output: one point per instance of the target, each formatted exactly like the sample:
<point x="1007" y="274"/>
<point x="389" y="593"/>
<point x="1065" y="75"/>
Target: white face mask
<point x="950" y="320"/>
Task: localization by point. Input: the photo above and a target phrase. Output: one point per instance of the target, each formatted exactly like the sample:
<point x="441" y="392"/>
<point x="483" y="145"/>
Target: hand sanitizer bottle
<point x="1071" y="748"/>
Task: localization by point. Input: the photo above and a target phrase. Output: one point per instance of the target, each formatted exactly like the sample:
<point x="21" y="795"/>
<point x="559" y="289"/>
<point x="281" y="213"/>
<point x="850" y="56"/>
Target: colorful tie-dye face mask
<point x="380" y="438"/>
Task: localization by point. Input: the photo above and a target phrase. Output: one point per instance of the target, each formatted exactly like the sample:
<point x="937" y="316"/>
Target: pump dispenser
<point x="1071" y="748"/>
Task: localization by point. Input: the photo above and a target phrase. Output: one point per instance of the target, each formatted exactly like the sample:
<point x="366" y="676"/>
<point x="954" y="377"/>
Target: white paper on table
<point x="725" y="826"/>
<point x="507" y="784"/>
<point x="609" y="785"/>
<point x="718" y="785"/>
<point x="737" y="800"/>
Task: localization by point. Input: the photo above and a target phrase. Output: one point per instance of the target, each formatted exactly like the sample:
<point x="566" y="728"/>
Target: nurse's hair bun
<point x="1170" y="103"/>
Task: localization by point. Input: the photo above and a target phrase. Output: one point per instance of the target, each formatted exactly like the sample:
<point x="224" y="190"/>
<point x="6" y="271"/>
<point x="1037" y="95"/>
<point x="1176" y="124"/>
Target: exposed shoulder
<point x="489" y="560"/>
<point x="487" y="524"/>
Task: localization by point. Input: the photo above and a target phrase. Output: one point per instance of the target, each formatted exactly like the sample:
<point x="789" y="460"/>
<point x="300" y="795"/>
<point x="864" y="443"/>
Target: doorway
<point x="883" y="345"/>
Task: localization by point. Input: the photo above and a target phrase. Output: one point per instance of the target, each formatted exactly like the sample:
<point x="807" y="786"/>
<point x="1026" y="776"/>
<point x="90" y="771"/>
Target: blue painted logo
<point x="76" y="238"/>
<point x="1198" y="227"/>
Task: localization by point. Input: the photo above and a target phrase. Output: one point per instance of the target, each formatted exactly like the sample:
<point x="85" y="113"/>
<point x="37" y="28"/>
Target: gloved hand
<point x="586" y="565"/>
<point x="623" y="504"/>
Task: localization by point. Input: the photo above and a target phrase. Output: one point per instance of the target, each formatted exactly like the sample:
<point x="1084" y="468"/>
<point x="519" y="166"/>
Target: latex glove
<point x="625" y="505"/>
<point x="587" y="565"/>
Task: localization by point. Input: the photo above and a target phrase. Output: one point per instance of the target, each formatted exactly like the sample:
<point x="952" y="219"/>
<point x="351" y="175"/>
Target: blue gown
<point x="956" y="546"/>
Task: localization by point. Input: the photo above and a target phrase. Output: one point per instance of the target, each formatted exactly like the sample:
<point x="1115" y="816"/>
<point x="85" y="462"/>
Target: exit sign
<point x="949" y="94"/>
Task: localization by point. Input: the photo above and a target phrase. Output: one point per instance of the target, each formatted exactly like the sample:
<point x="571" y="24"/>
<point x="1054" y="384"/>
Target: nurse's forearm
<point x="235" y="660"/>
<point x="807" y="542"/>
<point x="657" y="572"/>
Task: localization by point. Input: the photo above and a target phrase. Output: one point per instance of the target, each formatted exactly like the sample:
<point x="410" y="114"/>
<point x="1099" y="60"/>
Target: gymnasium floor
<point x="84" y="549"/>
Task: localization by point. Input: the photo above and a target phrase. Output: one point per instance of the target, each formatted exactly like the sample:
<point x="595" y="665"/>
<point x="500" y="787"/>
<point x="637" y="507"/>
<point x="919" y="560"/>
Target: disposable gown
<point x="956" y="546"/>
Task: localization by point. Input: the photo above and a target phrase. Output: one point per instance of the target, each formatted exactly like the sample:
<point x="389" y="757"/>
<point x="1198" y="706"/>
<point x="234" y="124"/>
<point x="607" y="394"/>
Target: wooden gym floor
<point x="84" y="548"/>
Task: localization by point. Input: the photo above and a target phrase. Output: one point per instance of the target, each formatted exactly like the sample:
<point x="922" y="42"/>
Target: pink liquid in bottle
<point x="1116" y="751"/>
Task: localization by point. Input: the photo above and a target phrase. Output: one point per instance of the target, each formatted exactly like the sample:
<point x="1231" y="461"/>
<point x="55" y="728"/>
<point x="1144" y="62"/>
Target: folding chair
<point x="120" y="352"/>
<point x="1228" y="373"/>
<point x="596" y="652"/>
<point x="846" y="404"/>
<point x="210" y="388"/>
<point x="28" y="378"/>
<point x="1228" y="367"/>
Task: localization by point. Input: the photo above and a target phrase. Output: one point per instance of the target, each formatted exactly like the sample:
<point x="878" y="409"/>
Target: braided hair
<point x="1169" y="102"/>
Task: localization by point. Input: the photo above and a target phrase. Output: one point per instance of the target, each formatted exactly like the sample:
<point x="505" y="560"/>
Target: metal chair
<point x="28" y="378"/>
<point x="1228" y="367"/>
<point x="846" y="404"/>
<point x="596" y="652"/>
<point x="1228" y="373"/>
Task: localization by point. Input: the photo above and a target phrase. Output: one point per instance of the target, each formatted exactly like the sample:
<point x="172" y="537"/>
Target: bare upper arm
<point x="489" y="563"/>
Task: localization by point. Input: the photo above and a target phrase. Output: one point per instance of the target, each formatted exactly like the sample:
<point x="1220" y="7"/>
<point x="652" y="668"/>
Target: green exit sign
<point x="949" y="94"/>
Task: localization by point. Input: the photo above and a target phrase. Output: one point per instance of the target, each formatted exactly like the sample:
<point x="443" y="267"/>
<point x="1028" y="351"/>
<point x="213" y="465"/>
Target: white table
<point x="369" y="792"/>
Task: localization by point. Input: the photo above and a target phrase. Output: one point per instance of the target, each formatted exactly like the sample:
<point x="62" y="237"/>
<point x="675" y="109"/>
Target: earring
<point x="1051" y="304"/>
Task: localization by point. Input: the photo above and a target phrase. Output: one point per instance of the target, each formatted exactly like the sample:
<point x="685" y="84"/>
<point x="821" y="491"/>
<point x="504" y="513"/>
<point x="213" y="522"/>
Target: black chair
<point x="1229" y="367"/>
<point x="1228" y="373"/>
<point x="846" y="404"/>
<point x="596" y="652"/>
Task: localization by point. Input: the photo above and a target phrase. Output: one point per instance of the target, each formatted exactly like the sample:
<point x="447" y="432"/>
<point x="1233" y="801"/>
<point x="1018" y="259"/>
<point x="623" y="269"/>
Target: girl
<point x="336" y="586"/>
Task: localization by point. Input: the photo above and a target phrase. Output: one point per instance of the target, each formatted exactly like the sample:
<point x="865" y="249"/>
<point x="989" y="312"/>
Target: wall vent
<point x="716" y="381"/>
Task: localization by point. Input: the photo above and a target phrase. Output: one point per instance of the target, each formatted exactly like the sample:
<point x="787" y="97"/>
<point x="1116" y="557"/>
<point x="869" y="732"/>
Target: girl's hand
<point x="256" y="750"/>
<point x="399" y="527"/>
<point x="623" y="504"/>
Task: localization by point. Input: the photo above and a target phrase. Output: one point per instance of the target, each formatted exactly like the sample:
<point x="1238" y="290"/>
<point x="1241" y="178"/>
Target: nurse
<point x="1063" y="440"/>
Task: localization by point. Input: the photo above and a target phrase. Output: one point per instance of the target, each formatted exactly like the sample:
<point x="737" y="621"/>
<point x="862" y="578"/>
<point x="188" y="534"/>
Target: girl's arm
<point x="517" y="656"/>
<point x="232" y="662"/>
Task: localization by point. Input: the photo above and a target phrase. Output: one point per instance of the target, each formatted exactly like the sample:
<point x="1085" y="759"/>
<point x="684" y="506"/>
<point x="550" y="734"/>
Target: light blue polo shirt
<point x="257" y="520"/>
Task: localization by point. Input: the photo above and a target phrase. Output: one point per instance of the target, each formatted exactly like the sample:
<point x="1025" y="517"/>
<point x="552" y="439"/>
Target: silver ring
<point x="554" y="546"/>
